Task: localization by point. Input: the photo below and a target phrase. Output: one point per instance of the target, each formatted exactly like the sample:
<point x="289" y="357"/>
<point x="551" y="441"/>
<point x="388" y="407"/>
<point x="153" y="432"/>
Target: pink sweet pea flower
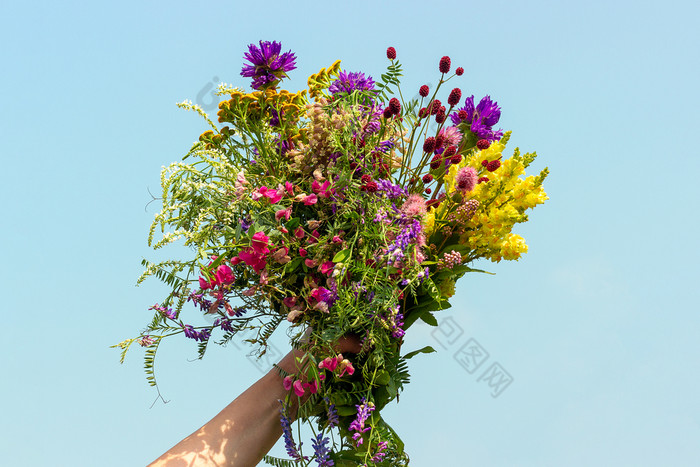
<point x="299" y="232"/>
<point x="329" y="363"/>
<point x="312" y="387"/>
<point x="346" y="366"/>
<point x="321" y="190"/>
<point x="235" y="260"/>
<point x="310" y="199"/>
<point x="311" y="263"/>
<point x="327" y="267"/>
<point x="287" y="382"/>
<point x="286" y="213"/>
<point x="259" y="243"/>
<point x="289" y="187"/>
<point x="336" y="239"/>
<point x="224" y="275"/>
<point x="302" y="252"/>
<point x="289" y="301"/>
<point x="298" y="388"/>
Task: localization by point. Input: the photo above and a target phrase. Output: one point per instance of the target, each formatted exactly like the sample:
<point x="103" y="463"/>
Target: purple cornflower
<point x="481" y="118"/>
<point x="287" y="433"/>
<point x="358" y="425"/>
<point x="349" y="82"/>
<point x="267" y="65"/>
<point x="321" y="451"/>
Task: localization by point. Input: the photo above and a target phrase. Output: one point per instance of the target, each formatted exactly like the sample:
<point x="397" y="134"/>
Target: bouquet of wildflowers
<point x="346" y="212"/>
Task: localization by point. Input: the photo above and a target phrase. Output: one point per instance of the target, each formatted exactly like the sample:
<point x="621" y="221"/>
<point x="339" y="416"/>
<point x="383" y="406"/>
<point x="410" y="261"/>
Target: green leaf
<point x="426" y="349"/>
<point x="342" y="256"/>
<point x="428" y="318"/>
<point x="346" y="410"/>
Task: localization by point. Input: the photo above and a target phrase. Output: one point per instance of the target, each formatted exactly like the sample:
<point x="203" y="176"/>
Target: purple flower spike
<point x="267" y="65"/>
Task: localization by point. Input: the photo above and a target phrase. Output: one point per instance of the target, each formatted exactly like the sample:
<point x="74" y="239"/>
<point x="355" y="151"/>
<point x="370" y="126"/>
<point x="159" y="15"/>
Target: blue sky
<point x="597" y="326"/>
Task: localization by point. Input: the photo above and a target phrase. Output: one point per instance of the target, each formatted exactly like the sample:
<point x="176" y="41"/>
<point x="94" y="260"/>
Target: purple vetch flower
<point x="167" y="312"/>
<point x="321" y="450"/>
<point x="349" y="82"/>
<point x="246" y="222"/>
<point x="267" y="65"/>
<point x="287" y="434"/>
<point x="408" y="235"/>
<point x="199" y="336"/>
<point x="481" y="118"/>
<point x="358" y="425"/>
<point x="390" y="190"/>
<point x="380" y="454"/>
<point x="332" y="414"/>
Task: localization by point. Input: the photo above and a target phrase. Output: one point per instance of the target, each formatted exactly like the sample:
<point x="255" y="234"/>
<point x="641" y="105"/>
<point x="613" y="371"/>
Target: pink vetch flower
<point x="302" y="252"/>
<point x="298" y="388"/>
<point x="240" y="184"/>
<point x="321" y="190"/>
<point x="253" y="259"/>
<point x="346" y="366"/>
<point x="224" y="275"/>
<point x="250" y="292"/>
<point x="281" y="256"/>
<point x="329" y="363"/>
<point x="310" y="200"/>
<point x="289" y="302"/>
<point x="311" y="263"/>
<point x="327" y="267"/>
<point x="269" y="193"/>
<point x="205" y="285"/>
<point x="289" y="187"/>
<point x="336" y="239"/>
<point x="287" y="382"/>
<point x="235" y="260"/>
<point x="260" y="242"/>
<point x="312" y="387"/>
<point x="286" y="213"/>
<point x="314" y="237"/>
<point x="299" y="233"/>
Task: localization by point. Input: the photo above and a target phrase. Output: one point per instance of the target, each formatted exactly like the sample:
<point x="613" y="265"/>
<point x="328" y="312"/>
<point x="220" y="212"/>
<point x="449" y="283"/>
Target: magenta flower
<point x="327" y="267"/>
<point x="259" y="243"/>
<point x="286" y="213"/>
<point x="287" y="382"/>
<point x="267" y="65"/>
<point x="224" y="275"/>
<point x="298" y="388"/>
<point x="321" y="190"/>
<point x="310" y="199"/>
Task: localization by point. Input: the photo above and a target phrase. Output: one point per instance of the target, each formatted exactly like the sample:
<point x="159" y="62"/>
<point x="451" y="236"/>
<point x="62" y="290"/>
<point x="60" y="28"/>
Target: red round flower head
<point x="484" y="163"/>
<point x="439" y="141"/>
<point x="422" y="113"/>
<point x="459" y="71"/>
<point x="450" y="151"/>
<point x="427" y="178"/>
<point x="455" y="96"/>
<point x="445" y="64"/>
<point x="483" y="179"/>
<point x="395" y="106"/>
<point x="463" y="115"/>
<point x="483" y="144"/>
<point x="493" y="165"/>
<point x="435" y="106"/>
<point x="436" y="162"/>
<point x="456" y="159"/>
<point x="366" y="178"/>
<point x="371" y="187"/>
<point x="441" y="117"/>
<point x="391" y="53"/>
<point x="387" y="113"/>
<point x="428" y="190"/>
<point x="423" y="91"/>
<point x="429" y="144"/>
